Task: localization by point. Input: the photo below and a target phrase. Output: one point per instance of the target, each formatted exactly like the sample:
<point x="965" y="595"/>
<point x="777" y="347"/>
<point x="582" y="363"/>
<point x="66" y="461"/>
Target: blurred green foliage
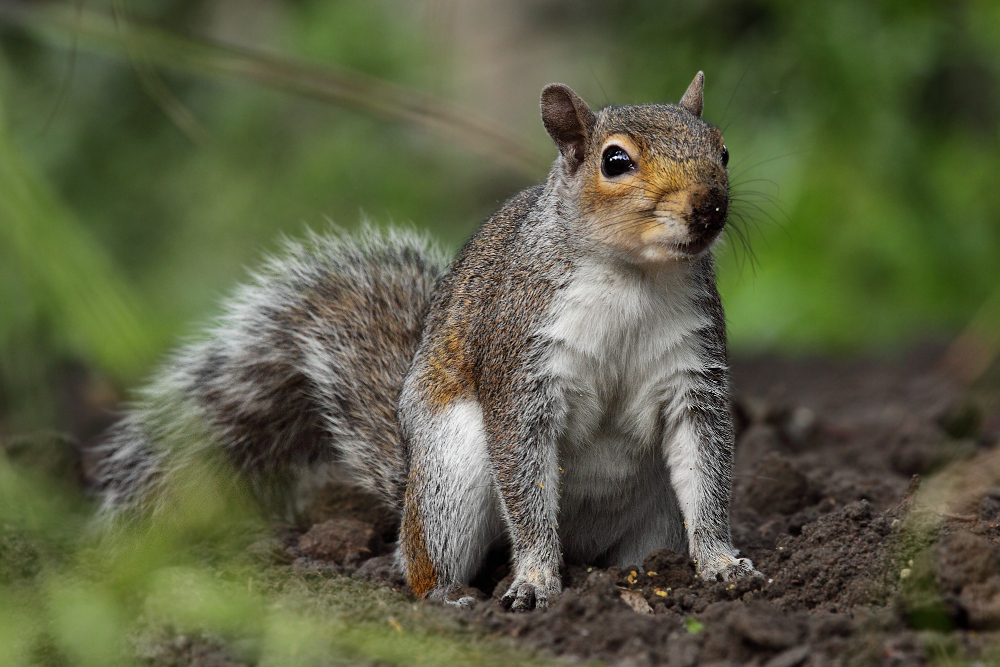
<point x="206" y="585"/>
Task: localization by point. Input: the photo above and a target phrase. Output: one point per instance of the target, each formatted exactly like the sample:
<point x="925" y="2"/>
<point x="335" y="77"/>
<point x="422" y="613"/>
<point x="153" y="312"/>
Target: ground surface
<point x="867" y="492"/>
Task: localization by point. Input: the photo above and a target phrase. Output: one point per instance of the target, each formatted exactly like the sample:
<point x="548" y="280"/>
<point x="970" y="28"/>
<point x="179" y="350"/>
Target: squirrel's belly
<point x="615" y="487"/>
<point x="604" y="471"/>
<point x="611" y="491"/>
<point x="612" y="464"/>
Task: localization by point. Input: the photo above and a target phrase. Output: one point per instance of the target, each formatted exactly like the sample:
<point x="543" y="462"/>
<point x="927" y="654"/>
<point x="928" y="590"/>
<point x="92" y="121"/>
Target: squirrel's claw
<point x="525" y="595"/>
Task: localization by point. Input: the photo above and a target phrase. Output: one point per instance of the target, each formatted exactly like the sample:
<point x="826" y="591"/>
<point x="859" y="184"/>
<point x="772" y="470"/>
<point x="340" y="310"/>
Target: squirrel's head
<point x="650" y="180"/>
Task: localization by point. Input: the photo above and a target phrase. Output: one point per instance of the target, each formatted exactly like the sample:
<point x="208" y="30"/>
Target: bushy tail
<point x="303" y="368"/>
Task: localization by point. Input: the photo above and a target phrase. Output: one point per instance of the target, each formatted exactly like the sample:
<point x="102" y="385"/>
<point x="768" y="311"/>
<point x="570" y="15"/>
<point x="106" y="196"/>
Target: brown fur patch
<point x="421" y="574"/>
<point x="449" y="374"/>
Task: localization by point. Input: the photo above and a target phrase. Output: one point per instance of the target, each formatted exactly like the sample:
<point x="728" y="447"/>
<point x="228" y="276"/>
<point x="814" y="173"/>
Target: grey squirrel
<point x="563" y="384"/>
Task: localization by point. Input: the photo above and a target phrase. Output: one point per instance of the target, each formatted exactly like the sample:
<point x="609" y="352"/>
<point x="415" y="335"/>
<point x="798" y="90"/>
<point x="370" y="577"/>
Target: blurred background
<point x="151" y="151"/>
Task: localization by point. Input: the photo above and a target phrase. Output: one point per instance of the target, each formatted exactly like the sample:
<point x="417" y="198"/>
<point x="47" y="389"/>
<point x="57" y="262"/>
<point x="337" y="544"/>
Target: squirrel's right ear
<point x="568" y="120"/>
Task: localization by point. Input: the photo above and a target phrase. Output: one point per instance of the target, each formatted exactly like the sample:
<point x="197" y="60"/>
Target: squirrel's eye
<point x="725" y="156"/>
<point x="615" y="162"/>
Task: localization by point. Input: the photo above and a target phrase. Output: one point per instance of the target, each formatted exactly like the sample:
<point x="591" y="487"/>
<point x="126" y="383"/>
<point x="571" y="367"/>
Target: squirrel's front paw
<point x="531" y="591"/>
<point x="728" y="568"/>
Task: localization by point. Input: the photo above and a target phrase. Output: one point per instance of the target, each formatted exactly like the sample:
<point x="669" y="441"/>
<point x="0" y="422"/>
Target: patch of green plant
<point x="693" y="625"/>
<point x="201" y="576"/>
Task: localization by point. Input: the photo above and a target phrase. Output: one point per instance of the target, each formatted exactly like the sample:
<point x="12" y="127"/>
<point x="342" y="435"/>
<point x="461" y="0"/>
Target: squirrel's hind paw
<point x="467" y="602"/>
<point x="441" y="593"/>
<point x="729" y="568"/>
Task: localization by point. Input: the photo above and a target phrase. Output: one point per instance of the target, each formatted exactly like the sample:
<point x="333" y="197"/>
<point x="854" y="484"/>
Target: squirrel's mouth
<point x="709" y="210"/>
<point x="675" y="238"/>
<point x="686" y="238"/>
<point x="701" y="240"/>
<point x="694" y="247"/>
<point x="674" y="249"/>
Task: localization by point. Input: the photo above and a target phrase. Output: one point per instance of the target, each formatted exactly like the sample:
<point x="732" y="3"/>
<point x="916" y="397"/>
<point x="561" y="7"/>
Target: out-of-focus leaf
<point x="90" y="305"/>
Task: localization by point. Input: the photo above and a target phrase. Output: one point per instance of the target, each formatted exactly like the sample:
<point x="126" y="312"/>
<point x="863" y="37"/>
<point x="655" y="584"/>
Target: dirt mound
<point x="858" y="569"/>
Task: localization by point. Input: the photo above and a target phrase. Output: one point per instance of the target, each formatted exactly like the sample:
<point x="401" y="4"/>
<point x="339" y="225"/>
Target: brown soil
<point x="860" y="566"/>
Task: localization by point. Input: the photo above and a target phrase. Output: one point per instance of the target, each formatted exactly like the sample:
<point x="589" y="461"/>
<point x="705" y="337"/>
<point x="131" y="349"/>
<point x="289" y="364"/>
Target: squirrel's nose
<point x="709" y="208"/>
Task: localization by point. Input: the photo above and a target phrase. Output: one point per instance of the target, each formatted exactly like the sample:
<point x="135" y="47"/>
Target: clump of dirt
<point x="777" y="486"/>
<point x="969" y="578"/>
<point x="344" y="501"/>
<point x="345" y="529"/>
<point x="823" y="502"/>
<point x="343" y="541"/>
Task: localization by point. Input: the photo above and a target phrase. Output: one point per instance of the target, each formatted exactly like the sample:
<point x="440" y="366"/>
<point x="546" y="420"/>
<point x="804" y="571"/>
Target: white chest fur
<point x="622" y="344"/>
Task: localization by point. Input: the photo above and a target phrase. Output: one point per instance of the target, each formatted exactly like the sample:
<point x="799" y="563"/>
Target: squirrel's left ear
<point x="692" y="100"/>
<point x="568" y="120"/>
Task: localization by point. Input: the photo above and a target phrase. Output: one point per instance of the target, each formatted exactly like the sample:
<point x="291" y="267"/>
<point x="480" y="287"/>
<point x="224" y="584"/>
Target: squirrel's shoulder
<point x="514" y="256"/>
<point x="499" y="235"/>
<point x="503" y="254"/>
<point x="489" y="303"/>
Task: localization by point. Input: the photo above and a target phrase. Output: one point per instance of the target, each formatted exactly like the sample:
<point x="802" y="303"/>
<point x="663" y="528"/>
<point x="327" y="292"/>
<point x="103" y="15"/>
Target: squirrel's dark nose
<point x="709" y="208"/>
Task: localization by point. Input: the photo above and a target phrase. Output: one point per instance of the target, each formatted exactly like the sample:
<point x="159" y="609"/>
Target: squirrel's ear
<point x="568" y="120"/>
<point x="692" y="100"/>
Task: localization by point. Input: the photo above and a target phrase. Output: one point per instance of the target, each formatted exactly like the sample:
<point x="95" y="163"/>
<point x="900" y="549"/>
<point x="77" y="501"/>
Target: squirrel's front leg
<point x="699" y="453"/>
<point x="523" y="453"/>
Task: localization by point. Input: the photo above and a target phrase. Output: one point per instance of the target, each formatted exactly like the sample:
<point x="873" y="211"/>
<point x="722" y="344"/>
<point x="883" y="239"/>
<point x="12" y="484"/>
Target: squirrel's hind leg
<point x="451" y="514"/>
